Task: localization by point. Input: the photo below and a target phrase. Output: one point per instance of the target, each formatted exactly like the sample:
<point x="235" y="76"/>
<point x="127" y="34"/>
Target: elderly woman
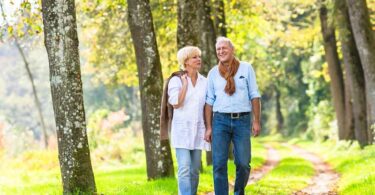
<point x="187" y="96"/>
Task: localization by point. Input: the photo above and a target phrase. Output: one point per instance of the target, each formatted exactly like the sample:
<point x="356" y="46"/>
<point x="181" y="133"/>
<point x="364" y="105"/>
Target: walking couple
<point x="213" y="111"/>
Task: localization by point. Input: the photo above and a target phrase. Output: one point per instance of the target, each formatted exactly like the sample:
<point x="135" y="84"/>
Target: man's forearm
<point x="256" y="105"/>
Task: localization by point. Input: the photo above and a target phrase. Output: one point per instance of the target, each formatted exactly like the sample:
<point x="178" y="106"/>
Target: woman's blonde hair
<point x="185" y="53"/>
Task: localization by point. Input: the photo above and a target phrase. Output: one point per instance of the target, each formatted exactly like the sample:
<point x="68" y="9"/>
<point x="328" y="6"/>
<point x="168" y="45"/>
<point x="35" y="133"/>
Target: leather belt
<point x="235" y="115"/>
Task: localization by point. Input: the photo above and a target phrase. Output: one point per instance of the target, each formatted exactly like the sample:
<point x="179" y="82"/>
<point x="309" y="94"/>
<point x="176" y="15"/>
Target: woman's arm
<point x="182" y="94"/>
<point x="177" y="91"/>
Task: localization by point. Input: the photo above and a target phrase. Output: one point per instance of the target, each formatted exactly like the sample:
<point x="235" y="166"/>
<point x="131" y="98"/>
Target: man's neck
<point x="227" y="63"/>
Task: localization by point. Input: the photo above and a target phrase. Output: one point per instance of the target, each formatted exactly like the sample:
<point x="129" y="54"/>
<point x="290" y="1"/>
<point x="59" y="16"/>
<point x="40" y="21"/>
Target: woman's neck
<point x="192" y="73"/>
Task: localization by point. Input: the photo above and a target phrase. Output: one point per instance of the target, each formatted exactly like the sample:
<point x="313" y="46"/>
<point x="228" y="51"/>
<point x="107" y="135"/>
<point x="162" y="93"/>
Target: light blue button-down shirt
<point x="240" y="100"/>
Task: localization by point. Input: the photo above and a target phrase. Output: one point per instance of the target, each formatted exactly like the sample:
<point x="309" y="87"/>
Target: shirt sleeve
<point x="253" y="87"/>
<point x="174" y="87"/>
<point x="210" y="97"/>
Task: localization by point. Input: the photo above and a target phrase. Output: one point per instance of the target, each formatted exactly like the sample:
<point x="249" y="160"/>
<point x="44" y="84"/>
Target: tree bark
<point x="188" y="23"/>
<point x="207" y="37"/>
<point x="335" y="72"/>
<point x="279" y="115"/>
<point x="354" y="72"/>
<point x="30" y="76"/>
<point x="61" y="41"/>
<point x="195" y="27"/>
<point x="349" y="118"/>
<point x="158" y="155"/>
<point x="365" y="40"/>
<point x="219" y="13"/>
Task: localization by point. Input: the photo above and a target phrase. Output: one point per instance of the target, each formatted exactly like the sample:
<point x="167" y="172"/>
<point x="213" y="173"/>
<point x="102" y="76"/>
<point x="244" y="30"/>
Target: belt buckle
<point x="234" y="115"/>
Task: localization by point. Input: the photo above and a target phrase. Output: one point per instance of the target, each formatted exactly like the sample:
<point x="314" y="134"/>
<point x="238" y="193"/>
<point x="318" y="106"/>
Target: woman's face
<point x="194" y="62"/>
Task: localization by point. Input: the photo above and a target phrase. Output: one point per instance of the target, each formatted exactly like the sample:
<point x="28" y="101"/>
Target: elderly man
<point x="232" y="114"/>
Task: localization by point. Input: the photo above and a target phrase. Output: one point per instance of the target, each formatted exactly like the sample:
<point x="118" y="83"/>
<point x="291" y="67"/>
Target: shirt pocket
<point x="242" y="82"/>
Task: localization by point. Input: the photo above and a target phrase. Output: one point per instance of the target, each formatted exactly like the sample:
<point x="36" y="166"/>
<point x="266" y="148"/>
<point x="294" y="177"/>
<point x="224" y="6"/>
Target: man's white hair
<point x="224" y="39"/>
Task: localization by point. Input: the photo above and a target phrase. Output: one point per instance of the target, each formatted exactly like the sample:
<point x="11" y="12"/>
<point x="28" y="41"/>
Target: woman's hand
<point x="184" y="80"/>
<point x="208" y="135"/>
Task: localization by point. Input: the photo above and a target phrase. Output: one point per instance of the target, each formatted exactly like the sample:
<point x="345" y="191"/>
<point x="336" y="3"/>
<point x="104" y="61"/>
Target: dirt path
<point x="325" y="179"/>
<point x="272" y="160"/>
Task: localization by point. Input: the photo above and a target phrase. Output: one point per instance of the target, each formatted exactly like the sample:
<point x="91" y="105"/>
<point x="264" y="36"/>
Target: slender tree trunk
<point x="364" y="38"/>
<point x="279" y="115"/>
<point x="61" y="41"/>
<point x="30" y="76"/>
<point x="158" y="155"/>
<point x="353" y="69"/>
<point x="335" y="72"/>
<point x="219" y="13"/>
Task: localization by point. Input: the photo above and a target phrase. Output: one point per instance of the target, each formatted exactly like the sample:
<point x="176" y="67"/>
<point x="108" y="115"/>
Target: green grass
<point x="37" y="172"/>
<point x="290" y="175"/>
<point x="356" y="166"/>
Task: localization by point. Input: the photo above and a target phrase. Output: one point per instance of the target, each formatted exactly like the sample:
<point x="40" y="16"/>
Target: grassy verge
<point x="355" y="166"/>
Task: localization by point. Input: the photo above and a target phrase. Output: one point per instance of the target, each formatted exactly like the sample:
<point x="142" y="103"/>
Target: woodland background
<point x="314" y="61"/>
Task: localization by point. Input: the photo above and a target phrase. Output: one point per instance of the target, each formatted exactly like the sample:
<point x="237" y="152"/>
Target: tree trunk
<point x="36" y="98"/>
<point x="349" y="118"/>
<point x="188" y="23"/>
<point x="61" y="41"/>
<point x="158" y="155"/>
<point x="279" y="115"/>
<point x="354" y="72"/>
<point x="207" y="37"/>
<point x="335" y="72"/>
<point x="195" y="27"/>
<point x="219" y="15"/>
<point x="365" y="40"/>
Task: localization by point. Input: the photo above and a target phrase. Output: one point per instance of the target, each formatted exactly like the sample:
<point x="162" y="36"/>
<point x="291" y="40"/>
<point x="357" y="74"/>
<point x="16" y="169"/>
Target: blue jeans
<point x="224" y="130"/>
<point x="189" y="162"/>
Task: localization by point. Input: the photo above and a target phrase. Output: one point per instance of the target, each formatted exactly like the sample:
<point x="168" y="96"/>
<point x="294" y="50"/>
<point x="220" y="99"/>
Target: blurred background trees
<point x="284" y="41"/>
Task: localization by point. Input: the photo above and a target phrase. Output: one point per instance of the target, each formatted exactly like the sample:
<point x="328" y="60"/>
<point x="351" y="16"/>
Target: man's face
<point x="224" y="52"/>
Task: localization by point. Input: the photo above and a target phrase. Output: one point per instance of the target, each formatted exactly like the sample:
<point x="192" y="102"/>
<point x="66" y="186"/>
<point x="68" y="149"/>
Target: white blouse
<point x="188" y="126"/>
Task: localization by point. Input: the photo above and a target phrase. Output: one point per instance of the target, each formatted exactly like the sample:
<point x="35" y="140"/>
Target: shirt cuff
<point x="209" y="101"/>
<point x="254" y="95"/>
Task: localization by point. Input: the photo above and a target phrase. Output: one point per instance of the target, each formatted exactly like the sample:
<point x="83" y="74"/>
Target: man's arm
<point x="256" y="116"/>
<point x="208" y="121"/>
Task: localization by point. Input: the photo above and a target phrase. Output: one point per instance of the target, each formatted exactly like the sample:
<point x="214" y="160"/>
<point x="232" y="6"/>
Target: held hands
<point x="255" y="129"/>
<point x="208" y="135"/>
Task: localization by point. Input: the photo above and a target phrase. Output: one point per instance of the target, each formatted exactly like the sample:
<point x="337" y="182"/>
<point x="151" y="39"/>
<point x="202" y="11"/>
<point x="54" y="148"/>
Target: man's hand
<point x="256" y="116"/>
<point x="208" y="135"/>
<point x="256" y="129"/>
